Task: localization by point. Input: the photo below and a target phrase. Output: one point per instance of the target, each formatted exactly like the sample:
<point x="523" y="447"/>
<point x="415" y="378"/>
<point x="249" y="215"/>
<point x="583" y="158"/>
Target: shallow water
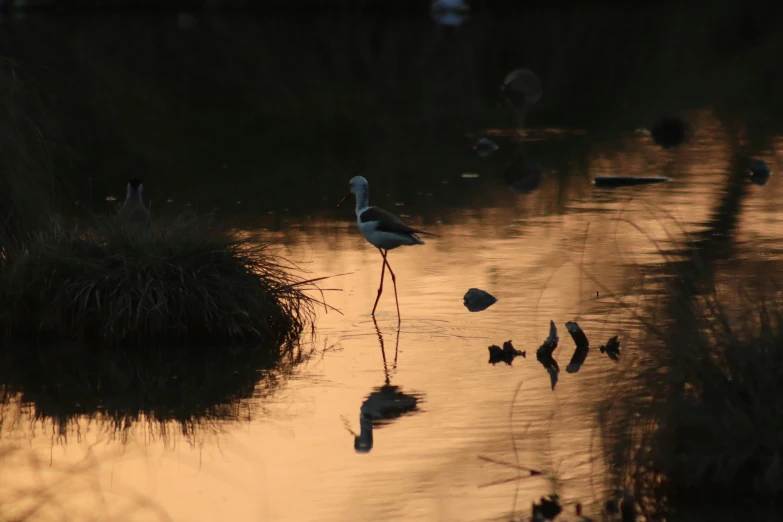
<point x="566" y="251"/>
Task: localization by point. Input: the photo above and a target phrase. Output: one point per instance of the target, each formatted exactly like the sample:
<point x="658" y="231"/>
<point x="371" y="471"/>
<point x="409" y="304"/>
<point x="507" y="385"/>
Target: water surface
<point x="227" y="116"/>
<point x="567" y="251"/>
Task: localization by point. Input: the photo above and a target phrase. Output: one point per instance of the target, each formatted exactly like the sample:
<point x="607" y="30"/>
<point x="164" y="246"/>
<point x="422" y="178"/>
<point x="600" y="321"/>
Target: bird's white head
<point x="358" y="186"/>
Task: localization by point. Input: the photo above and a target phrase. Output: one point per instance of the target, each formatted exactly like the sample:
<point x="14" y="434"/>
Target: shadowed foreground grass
<point x="695" y="421"/>
<point x="183" y="284"/>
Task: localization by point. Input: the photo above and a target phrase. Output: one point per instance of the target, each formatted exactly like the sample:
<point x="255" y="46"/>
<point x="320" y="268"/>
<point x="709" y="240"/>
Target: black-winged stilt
<point x="382" y="229"/>
<point x="133" y="215"/>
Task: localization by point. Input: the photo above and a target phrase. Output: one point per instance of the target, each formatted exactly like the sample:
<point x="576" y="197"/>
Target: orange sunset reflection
<point x="568" y="251"/>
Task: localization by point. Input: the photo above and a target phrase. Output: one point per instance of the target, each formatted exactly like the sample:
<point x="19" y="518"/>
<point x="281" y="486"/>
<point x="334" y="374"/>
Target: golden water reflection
<point x="298" y="462"/>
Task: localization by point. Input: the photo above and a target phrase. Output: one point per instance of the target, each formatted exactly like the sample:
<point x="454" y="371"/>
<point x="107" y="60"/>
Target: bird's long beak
<point x="343" y="200"/>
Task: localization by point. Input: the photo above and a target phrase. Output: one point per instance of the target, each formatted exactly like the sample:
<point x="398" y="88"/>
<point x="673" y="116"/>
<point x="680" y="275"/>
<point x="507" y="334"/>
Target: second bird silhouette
<point x="133" y="216"/>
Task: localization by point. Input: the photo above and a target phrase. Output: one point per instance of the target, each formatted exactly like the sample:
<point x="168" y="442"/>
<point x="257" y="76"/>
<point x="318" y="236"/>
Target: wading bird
<point x="381" y="229"/>
<point x="133" y="215"/>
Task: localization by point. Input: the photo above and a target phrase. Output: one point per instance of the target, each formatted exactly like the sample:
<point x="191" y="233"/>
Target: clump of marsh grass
<point x="186" y="283"/>
<point x="696" y="417"/>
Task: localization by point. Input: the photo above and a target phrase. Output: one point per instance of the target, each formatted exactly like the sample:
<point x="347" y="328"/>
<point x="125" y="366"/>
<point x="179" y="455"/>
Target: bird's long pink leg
<point x="394" y="282"/>
<point x="380" y="288"/>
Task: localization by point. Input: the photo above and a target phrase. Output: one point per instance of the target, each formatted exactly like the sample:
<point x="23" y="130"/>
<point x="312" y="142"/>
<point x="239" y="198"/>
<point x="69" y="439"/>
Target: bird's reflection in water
<point x="522" y="89"/>
<point x="385" y="403"/>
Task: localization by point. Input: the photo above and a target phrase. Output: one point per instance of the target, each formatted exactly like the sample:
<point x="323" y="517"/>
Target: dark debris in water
<point x="507" y="354"/>
<point x="547" y="508"/>
<point x="544" y="354"/>
<point x="628" y="181"/>
<point x="582" y="347"/>
<point x="612" y="348"/>
<point x="485" y="147"/>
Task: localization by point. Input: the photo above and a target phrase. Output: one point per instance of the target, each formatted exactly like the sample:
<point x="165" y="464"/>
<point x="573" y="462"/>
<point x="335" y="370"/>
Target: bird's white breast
<point x="384" y="240"/>
<point x="368" y="230"/>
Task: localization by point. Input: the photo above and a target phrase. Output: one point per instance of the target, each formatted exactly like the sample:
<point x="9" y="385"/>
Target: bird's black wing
<point x="388" y="222"/>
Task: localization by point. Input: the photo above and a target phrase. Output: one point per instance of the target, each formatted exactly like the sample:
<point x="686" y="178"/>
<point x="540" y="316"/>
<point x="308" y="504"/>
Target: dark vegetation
<point x="697" y="422"/>
<point x="179" y="323"/>
<point x="181" y="283"/>
<point x="288" y="107"/>
<point x="694" y="428"/>
<point x="89" y="280"/>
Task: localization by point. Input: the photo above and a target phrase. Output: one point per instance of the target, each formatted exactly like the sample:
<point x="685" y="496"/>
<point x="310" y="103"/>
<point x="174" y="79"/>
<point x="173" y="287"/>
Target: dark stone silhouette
<point x="669" y="132"/>
<point x="476" y="300"/>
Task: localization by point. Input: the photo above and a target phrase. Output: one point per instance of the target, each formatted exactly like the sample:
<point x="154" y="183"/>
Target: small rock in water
<point x="485" y="147"/>
<point x="476" y="300"/>
<point x="758" y="172"/>
<point x="758" y="166"/>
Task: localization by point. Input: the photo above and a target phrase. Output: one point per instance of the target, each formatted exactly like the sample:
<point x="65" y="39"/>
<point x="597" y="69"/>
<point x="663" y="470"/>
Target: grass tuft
<point x="698" y="420"/>
<point x="185" y="283"/>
